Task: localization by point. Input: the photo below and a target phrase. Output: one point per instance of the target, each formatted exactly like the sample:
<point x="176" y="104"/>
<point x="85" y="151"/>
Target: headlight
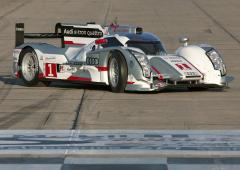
<point x="143" y="61"/>
<point x="217" y="61"/>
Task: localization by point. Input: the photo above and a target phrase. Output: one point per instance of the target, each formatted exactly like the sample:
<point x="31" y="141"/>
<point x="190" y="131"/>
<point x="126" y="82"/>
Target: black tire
<point x="30" y="53"/>
<point x="122" y="75"/>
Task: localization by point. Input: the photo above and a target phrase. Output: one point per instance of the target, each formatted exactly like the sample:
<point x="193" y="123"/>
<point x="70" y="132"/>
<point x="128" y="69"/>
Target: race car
<point x="120" y="56"/>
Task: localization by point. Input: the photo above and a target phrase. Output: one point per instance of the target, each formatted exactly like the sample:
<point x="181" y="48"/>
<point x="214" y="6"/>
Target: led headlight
<point x="217" y="61"/>
<point x="143" y="61"/>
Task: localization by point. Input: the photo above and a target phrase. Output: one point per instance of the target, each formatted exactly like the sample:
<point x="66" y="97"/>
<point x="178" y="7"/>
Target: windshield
<point x="149" y="48"/>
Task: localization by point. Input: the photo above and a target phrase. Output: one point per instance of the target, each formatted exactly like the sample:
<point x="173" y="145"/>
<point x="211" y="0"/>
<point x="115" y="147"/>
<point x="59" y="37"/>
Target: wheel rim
<point x="29" y="66"/>
<point x="114" y="72"/>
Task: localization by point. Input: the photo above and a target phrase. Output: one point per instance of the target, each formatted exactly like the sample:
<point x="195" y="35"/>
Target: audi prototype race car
<point x="122" y="57"/>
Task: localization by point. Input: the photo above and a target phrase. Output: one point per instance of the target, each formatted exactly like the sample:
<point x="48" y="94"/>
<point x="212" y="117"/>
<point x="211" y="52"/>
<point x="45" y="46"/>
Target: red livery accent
<point x="183" y="66"/>
<point x="100" y="68"/>
<point x="17" y="74"/>
<point x="130" y="82"/>
<point x="186" y="66"/>
<point x="40" y="75"/>
<point x="158" y="72"/>
<point x="51" y="70"/>
<point x="75" y="78"/>
<point x="72" y="43"/>
<point x="101" y="41"/>
<point x="180" y="66"/>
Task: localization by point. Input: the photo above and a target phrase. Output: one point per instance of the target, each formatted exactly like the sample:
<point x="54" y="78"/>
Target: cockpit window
<point x="149" y="48"/>
<point x="112" y="42"/>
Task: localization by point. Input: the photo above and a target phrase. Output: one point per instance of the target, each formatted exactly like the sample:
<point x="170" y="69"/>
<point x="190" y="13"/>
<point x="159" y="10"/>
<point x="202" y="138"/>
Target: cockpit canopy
<point x="147" y="42"/>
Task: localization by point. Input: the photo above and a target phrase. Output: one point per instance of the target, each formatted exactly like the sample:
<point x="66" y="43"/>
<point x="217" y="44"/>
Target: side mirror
<point x="184" y="41"/>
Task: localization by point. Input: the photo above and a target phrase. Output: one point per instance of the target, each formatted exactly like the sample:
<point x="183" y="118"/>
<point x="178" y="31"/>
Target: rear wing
<point x="121" y="29"/>
<point x="70" y="34"/>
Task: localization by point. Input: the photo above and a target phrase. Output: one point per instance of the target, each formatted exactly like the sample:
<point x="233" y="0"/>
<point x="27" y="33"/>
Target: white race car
<point x="122" y="57"/>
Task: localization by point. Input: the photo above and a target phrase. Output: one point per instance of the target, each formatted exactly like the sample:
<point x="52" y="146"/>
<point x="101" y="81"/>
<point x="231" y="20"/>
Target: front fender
<point x="134" y="69"/>
<point x="196" y="55"/>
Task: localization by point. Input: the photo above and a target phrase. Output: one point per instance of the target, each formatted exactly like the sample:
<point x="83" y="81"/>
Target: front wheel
<point x="117" y="74"/>
<point x="29" y="67"/>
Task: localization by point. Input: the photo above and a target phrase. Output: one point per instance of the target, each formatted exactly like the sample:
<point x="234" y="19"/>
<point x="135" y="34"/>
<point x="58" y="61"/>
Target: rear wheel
<point x="117" y="74"/>
<point x="29" y="67"/>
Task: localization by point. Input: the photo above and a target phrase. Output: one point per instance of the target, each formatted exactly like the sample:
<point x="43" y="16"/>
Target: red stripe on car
<point x="180" y="66"/>
<point x="100" y="68"/>
<point x="75" y="78"/>
<point x="17" y="74"/>
<point x="72" y="43"/>
<point x="158" y="72"/>
<point x="40" y="75"/>
<point x="130" y="82"/>
<point x="186" y="66"/>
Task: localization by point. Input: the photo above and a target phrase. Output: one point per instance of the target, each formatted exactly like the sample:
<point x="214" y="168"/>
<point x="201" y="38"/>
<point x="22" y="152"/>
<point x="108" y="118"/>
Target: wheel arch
<point x="39" y="55"/>
<point x="35" y="79"/>
<point x="21" y="53"/>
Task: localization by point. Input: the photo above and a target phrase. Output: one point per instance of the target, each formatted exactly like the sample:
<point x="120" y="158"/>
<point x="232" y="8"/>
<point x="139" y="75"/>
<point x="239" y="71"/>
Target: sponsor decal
<point x="71" y="31"/>
<point x="93" y="59"/>
<point x="172" y="58"/>
<point x="50" y="57"/>
<point x="176" y="61"/>
<point x="51" y="70"/>
<point x="66" y="68"/>
<point x="191" y="74"/>
<point x="79" y="63"/>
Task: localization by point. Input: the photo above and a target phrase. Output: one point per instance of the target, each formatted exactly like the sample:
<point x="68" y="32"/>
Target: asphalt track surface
<point x="72" y="106"/>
